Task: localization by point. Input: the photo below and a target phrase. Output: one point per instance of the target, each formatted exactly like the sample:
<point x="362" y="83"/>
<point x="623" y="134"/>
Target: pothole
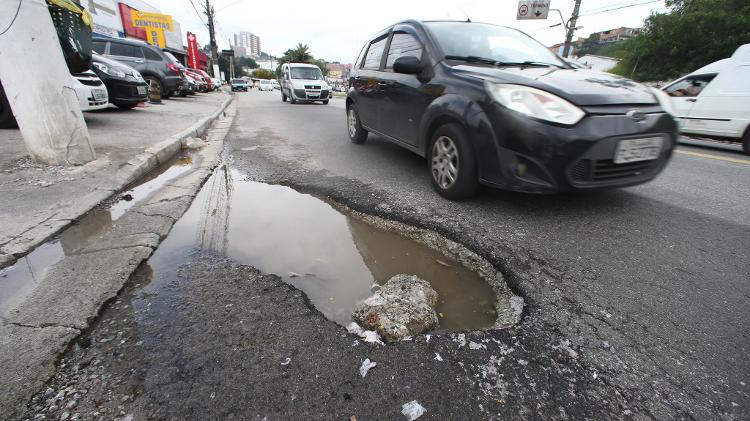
<point x="334" y="255"/>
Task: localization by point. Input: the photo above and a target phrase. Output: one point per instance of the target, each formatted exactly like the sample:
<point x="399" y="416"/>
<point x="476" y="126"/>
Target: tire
<point x="7" y="120"/>
<point x="452" y="164"/>
<point x="357" y="134"/>
<point x="158" y="84"/>
<point x="126" y="106"/>
<point x="283" y="96"/>
<point x="746" y="142"/>
<point x="325" y="102"/>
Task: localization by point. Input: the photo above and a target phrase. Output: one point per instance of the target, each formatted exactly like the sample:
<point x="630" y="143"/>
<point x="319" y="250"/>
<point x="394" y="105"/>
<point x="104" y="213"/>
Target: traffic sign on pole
<point x="533" y="9"/>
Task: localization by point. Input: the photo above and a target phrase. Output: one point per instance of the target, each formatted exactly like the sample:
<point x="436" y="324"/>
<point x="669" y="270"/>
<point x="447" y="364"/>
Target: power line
<point x="10" y="25"/>
<point x="618" y="8"/>
<point x="198" y="14"/>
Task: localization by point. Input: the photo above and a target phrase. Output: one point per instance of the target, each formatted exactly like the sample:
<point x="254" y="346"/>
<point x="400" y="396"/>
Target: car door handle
<point x="381" y="83"/>
<point x="140" y="61"/>
<point x="692" y="99"/>
<point x="358" y="78"/>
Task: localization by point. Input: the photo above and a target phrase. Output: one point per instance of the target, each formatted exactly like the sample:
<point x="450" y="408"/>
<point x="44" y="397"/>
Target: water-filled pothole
<point x="334" y="257"/>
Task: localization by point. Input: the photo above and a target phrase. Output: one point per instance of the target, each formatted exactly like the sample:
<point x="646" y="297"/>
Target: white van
<point x="303" y="82"/>
<point x="714" y="101"/>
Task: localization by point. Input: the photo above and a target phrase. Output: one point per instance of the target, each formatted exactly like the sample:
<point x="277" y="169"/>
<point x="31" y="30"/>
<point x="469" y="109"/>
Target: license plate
<point x="634" y="150"/>
<point x="141" y="90"/>
<point x="99" y="93"/>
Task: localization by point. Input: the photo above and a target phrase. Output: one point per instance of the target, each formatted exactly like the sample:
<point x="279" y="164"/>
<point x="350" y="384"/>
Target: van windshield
<point x="312" y="73"/>
<point x="490" y="43"/>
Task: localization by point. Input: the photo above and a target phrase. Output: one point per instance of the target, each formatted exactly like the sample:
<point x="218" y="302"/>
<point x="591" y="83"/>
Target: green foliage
<point x="693" y="34"/>
<point x="300" y="54"/>
<point x="246" y="62"/>
<point x="264" y="74"/>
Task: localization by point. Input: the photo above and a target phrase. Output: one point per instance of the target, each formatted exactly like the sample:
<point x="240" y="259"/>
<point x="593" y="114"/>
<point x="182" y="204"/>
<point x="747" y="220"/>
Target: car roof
<point x="123" y="41"/>
<point x="302" y="65"/>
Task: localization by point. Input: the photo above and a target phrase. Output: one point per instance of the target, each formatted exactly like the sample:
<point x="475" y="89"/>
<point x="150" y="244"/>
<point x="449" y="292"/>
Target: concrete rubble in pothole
<point x="403" y="307"/>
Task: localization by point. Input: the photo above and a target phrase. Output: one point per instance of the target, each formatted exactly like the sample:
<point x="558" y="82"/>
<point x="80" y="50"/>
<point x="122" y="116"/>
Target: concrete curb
<point x="134" y="169"/>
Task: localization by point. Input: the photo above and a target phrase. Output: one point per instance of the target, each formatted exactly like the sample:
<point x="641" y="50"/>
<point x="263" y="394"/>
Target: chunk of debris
<point x="193" y="143"/>
<point x="412" y="410"/>
<point x="403" y="307"/>
<point x="366" y="366"/>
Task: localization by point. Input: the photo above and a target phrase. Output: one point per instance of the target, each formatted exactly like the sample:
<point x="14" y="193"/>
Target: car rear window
<point x="99" y="46"/>
<point x="124" y="50"/>
<point x="151" y="54"/>
<point x="374" y="54"/>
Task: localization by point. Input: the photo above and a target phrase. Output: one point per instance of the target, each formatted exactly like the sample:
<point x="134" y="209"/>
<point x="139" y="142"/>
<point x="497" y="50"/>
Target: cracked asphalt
<point x="637" y="301"/>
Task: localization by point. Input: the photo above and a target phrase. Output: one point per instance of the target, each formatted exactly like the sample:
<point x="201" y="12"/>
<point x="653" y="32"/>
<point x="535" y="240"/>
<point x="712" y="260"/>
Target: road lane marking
<point x="709" y="156"/>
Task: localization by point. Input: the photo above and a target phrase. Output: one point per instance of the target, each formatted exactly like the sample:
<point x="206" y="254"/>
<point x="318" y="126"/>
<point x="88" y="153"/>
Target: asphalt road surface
<point x="657" y="272"/>
<point x="636" y="300"/>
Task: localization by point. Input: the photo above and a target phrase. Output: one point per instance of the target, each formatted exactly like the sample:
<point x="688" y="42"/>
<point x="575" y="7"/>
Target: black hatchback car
<point x="125" y="86"/>
<point x="488" y="104"/>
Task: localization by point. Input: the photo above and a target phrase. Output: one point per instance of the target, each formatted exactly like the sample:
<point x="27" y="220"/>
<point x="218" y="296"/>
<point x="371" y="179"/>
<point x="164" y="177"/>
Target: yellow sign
<point x="150" y="21"/>
<point x="156" y="37"/>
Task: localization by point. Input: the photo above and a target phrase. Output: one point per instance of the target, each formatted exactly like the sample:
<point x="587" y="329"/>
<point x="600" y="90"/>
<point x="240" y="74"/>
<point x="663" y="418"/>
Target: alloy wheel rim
<point x="352" y="123"/>
<point x="445" y="162"/>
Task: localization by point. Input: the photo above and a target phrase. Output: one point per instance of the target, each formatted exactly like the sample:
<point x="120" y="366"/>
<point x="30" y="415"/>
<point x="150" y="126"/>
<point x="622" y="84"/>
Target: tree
<point x="264" y="74"/>
<point x="692" y="34"/>
<point x="300" y="54"/>
<point x="589" y="45"/>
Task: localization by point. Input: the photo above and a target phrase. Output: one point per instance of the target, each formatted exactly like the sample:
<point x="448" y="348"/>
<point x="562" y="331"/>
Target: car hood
<point x="302" y="82"/>
<point x="579" y="86"/>
<point x="97" y="58"/>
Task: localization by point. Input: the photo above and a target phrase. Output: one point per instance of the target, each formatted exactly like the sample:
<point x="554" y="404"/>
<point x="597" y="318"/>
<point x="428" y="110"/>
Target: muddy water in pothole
<point x="19" y="280"/>
<point x="334" y="258"/>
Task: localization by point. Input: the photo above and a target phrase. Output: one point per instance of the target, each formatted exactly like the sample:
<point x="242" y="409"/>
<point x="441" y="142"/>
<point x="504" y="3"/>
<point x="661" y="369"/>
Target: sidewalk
<point x="39" y="200"/>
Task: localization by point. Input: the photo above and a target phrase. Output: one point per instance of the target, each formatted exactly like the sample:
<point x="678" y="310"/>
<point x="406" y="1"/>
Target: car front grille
<point x="603" y="171"/>
<point x="312" y="86"/>
<point x="88" y="79"/>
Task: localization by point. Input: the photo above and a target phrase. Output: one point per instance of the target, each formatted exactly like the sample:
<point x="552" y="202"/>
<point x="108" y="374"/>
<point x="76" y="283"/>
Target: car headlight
<point x="112" y="71"/>
<point x="137" y="75"/>
<point x="664" y="100"/>
<point x="535" y="103"/>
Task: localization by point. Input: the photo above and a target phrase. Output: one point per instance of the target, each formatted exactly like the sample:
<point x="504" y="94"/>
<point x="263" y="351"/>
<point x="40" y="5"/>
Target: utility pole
<point x="571" y="28"/>
<point x="212" y="35"/>
<point x="39" y="86"/>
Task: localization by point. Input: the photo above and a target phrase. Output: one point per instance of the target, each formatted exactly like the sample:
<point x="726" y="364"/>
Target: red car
<point x="203" y="84"/>
<point x="206" y="77"/>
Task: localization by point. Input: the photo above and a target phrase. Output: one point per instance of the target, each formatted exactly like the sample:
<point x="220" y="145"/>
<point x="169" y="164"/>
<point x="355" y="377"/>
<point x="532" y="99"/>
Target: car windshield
<point x="312" y="73"/>
<point x="490" y="43"/>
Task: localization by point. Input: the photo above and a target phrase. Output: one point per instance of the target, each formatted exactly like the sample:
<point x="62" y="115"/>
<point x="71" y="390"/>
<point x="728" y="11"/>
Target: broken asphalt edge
<point x="34" y="336"/>
<point x="129" y="172"/>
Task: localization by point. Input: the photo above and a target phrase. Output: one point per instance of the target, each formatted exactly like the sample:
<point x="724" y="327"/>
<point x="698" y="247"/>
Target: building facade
<point x="249" y="41"/>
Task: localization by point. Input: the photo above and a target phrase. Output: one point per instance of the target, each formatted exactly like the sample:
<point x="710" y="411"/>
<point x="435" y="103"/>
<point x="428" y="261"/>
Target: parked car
<point x="217" y="83"/>
<point x="125" y="86"/>
<point x="151" y="62"/>
<point x="203" y="85"/>
<point x="265" y="85"/>
<point x="211" y="85"/>
<point x="90" y="91"/>
<point x="275" y="84"/>
<point x="239" y="85"/>
<point x="714" y="101"/>
<point x="303" y="82"/>
<point x="488" y="104"/>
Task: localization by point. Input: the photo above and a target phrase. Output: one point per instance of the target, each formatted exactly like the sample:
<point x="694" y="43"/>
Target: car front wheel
<point x="283" y="96"/>
<point x="746" y="142"/>
<point x="357" y="134"/>
<point x="452" y="163"/>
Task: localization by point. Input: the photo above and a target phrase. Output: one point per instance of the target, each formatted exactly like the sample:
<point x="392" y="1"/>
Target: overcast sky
<point x="336" y="31"/>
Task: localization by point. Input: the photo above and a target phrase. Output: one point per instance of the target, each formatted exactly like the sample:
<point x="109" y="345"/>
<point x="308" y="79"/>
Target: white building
<point x="250" y="41"/>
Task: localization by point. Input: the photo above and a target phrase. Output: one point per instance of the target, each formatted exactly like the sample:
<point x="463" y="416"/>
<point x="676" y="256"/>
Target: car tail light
<point x="173" y="68"/>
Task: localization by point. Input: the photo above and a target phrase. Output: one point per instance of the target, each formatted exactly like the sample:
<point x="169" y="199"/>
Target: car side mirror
<point x="409" y="65"/>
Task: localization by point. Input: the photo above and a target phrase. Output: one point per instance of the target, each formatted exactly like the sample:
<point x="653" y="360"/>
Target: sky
<point x="336" y="31"/>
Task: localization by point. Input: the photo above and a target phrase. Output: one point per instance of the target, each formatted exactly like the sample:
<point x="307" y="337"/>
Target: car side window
<point x="690" y="86"/>
<point x="402" y="45"/>
<point x="124" y="50"/>
<point x="374" y="54"/>
<point x="151" y="55"/>
<point x="99" y="46"/>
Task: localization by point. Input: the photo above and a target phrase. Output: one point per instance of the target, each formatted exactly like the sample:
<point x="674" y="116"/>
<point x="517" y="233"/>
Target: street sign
<point x="533" y="9"/>
<point x="227" y="53"/>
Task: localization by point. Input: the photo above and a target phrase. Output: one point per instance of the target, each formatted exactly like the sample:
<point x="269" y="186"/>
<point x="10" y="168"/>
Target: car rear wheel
<point x="357" y="134"/>
<point x="291" y="98"/>
<point x="452" y="163"/>
<point x="325" y="102"/>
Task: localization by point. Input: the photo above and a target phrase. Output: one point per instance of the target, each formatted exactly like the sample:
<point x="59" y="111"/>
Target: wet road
<point x="649" y="283"/>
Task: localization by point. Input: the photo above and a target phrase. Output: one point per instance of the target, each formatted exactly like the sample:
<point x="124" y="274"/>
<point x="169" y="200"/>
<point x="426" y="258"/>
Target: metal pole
<point x="571" y="28"/>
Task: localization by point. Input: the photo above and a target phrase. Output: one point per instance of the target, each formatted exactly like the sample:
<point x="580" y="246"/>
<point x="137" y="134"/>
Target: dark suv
<point x="149" y="61"/>
<point x="487" y="104"/>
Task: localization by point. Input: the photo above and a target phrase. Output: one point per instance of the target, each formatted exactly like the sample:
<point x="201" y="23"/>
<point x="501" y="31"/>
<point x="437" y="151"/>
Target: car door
<point x="366" y="84"/>
<point x="128" y="54"/>
<point x="404" y="97"/>
<point x="722" y="107"/>
<point x="685" y="94"/>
